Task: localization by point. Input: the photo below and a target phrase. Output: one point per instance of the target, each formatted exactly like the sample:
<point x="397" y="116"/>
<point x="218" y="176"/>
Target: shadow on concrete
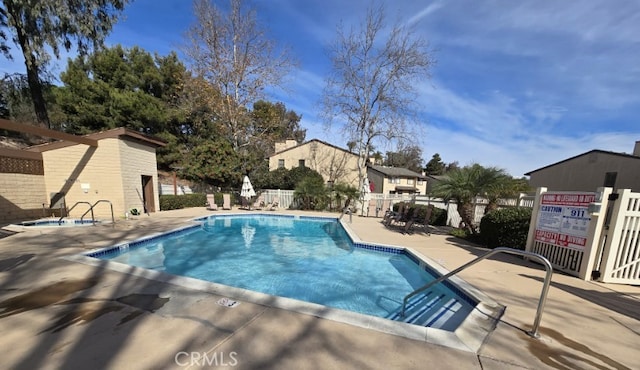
<point x="609" y="299"/>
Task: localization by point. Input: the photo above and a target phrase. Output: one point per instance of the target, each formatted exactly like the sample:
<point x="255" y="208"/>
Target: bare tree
<point x="371" y="86"/>
<point x="232" y="53"/>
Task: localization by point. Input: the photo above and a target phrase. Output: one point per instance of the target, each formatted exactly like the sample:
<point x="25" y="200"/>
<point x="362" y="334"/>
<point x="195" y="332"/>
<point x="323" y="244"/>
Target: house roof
<point x="625" y="155"/>
<point x="396" y="172"/>
<point x="109" y="134"/>
<point x="406" y="188"/>
<point x="310" y="141"/>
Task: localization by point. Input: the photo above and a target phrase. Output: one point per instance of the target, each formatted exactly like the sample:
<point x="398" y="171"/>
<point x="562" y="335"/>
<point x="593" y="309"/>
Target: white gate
<point x="608" y="249"/>
<point x="621" y="252"/>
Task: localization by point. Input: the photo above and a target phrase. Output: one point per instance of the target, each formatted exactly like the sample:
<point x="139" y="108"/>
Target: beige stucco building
<point x="333" y="163"/>
<point x="591" y="170"/>
<point x="118" y="166"/>
<point x="396" y="180"/>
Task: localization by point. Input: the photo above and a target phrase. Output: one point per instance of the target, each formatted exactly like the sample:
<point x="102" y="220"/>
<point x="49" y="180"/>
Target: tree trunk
<point x="35" y="86"/>
<point x="466" y="211"/>
<point x="33" y="72"/>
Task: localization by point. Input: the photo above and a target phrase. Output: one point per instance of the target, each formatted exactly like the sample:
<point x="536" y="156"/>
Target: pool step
<point x="433" y="309"/>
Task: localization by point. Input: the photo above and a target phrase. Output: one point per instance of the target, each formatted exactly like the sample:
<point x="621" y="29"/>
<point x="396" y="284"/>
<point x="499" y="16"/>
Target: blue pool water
<point x="312" y="260"/>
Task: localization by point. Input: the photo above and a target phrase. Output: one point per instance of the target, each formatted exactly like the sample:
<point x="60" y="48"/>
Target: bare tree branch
<point x="371" y="86"/>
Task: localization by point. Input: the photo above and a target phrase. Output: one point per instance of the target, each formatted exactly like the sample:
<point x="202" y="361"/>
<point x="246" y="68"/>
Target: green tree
<point x="41" y="27"/>
<point x="269" y="124"/>
<point x="342" y="194"/>
<point x="311" y="193"/>
<point x="119" y="87"/>
<point x="435" y="166"/>
<point x="409" y="157"/>
<point x="463" y="185"/>
<point x="504" y="187"/>
<point x="214" y="162"/>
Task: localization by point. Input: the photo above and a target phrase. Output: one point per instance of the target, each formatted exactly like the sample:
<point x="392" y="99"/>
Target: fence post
<point x="534" y="218"/>
<point x="593" y="246"/>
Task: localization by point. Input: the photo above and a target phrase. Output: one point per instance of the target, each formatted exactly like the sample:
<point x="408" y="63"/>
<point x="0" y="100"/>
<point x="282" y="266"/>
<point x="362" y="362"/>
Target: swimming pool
<point x="307" y="259"/>
<point x="53" y="222"/>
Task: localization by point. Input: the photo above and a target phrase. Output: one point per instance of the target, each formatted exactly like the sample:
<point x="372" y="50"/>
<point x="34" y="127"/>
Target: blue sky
<point x="517" y="84"/>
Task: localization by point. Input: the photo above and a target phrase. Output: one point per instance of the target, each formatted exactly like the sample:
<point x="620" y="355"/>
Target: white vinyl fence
<point x="453" y="217"/>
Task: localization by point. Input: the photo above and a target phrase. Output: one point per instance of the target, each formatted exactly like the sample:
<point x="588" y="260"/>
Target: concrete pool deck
<point x="55" y="313"/>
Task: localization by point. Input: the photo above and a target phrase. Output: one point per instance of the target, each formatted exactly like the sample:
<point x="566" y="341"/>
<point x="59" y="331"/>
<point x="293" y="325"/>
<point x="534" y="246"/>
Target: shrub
<point x="438" y="216"/>
<point x="311" y="193"/>
<point x="506" y="227"/>
<point x="169" y="202"/>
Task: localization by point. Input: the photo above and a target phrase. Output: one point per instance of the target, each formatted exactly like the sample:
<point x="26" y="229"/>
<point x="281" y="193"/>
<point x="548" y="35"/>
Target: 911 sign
<point x="563" y="219"/>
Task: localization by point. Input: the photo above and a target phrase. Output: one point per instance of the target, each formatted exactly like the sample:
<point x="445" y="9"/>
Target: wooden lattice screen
<point x="21" y="165"/>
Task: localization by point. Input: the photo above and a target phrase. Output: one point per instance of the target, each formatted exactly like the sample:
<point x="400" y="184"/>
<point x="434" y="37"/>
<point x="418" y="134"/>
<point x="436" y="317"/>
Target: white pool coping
<point x="469" y="336"/>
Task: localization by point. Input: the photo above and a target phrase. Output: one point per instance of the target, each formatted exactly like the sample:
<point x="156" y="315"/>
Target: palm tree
<point x="505" y="187"/>
<point x="463" y="184"/>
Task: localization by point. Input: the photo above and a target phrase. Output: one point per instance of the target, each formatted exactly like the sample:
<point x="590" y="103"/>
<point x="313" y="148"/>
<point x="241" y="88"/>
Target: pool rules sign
<point x="563" y="218"/>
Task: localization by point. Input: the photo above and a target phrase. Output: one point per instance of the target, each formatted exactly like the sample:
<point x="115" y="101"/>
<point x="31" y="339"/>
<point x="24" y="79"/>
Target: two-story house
<point x="396" y="180"/>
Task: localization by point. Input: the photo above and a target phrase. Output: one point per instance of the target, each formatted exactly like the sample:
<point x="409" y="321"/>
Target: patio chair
<point x="425" y="222"/>
<point x="391" y="215"/>
<point x="386" y="206"/>
<point x="211" y="203"/>
<point x="259" y="203"/>
<point x="275" y="203"/>
<point x="401" y="217"/>
<point x="226" y="201"/>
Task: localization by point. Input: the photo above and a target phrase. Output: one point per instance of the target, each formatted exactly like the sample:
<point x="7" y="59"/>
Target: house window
<point x="410" y="181"/>
<point x="420" y="181"/>
<point x="280" y="163"/>
<point x="394" y="180"/>
<point x="300" y="162"/>
<point x="610" y="179"/>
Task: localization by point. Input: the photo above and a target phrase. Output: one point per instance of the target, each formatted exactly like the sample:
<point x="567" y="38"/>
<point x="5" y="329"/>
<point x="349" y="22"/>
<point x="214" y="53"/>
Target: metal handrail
<point x="74" y="206"/>
<point x="543" y="294"/>
<point x="113" y="220"/>
<point x="345" y="211"/>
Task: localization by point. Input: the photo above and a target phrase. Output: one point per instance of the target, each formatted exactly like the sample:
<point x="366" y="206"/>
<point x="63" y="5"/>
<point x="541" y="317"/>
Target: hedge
<point x="169" y="202"/>
<point x="507" y="227"/>
<point x="438" y="215"/>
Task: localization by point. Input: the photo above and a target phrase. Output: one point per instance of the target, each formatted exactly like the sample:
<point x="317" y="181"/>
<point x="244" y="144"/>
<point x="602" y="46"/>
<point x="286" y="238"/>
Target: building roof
<point x="396" y="172"/>
<point x="310" y="141"/>
<point x="109" y="134"/>
<point x="625" y="155"/>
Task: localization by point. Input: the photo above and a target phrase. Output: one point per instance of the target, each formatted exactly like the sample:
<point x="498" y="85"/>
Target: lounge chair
<point x="425" y="222"/>
<point x="226" y="201"/>
<point x="402" y="216"/>
<point x="259" y="203"/>
<point x="275" y="203"/>
<point x="211" y="203"/>
<point x="391" y="215"/>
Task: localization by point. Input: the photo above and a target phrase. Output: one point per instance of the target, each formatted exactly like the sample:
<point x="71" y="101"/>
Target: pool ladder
<point x="543" y="296"/>
<point x="91" y="206"/>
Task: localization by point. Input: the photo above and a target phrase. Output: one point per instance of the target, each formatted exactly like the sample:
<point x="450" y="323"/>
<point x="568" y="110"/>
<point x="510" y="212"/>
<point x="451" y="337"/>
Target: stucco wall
<point x="21" y="197"/>
<point x="587" y="173"/>
<point x="70" y="168"/>
<point x="330" y="162"/>
<point x="137" y="160"/>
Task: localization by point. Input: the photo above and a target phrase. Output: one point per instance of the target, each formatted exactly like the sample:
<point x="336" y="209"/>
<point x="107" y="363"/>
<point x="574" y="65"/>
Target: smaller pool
<point x="47" y="222"/>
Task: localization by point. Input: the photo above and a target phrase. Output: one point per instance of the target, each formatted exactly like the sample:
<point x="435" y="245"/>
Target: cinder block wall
<point x="87" y="174"/>
<point x="137" y="160"/>
<point x="21" y="197"/>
